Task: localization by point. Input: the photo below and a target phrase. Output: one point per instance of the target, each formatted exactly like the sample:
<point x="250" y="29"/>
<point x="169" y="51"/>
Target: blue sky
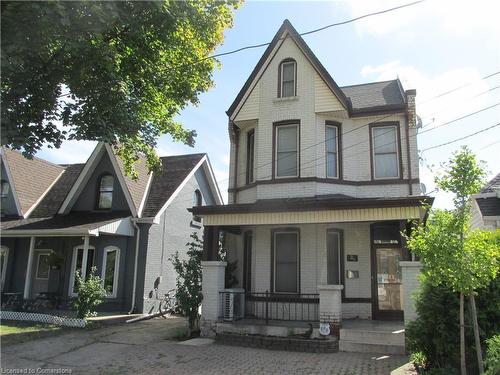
<point x="432" y="47"/>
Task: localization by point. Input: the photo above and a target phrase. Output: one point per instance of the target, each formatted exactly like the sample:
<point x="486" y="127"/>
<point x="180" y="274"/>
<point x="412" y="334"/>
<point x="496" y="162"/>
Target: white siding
<point x="250" y="109"/>
<point x="324" y="99"/>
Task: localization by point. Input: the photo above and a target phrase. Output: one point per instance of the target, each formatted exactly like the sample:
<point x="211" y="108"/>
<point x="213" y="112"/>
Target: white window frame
<point x="72" y="293"/>
<point x="337" y="152"/>
<point x="107" y="250"/>
<point x="282" y="68"/>
<point x="277" y="127"/>
<point x="40" y="253"/>
<point x="297" y="235"/>
<point x="374" y="164"/>
<point x="5" y="253"/>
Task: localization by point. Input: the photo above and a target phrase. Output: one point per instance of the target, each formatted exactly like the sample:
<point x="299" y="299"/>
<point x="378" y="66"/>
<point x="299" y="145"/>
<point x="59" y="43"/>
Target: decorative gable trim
<point x="285" y="30"/>
<point x="145" y="196"/>
<point x="11" y="183"/>
<point x="84" y="176"/>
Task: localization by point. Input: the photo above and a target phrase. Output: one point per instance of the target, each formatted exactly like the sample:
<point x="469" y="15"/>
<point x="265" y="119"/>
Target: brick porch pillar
<point x="330" y="306"/>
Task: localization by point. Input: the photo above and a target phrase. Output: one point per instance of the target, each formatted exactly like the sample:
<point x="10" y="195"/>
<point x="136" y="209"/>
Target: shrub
<point x="435" y="334"/>
<point x="492" y="360"/>
<point x="90" y="294"/>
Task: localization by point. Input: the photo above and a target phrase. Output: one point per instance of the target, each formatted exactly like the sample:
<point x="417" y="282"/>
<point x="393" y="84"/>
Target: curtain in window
<point x="286" y="262"/>
<point x="385" y="152"/>
<point x="287" y="155"/>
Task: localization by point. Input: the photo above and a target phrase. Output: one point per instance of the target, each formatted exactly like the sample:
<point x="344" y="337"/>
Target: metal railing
<point x="276" y="306"/>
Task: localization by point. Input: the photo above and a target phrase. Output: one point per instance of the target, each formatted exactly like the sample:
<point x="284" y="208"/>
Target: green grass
<point x="15" y="332"/>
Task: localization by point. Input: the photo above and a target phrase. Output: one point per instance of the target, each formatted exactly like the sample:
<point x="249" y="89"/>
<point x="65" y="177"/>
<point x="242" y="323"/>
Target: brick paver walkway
<point x="144" y="348"/>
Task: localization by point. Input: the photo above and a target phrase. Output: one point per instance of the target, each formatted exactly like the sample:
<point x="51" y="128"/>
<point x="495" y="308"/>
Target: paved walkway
<point x="144" y="348"/>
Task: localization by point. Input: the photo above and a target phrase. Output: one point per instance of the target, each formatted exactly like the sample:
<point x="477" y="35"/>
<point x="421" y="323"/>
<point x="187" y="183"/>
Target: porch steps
<point x="372" y="337"/>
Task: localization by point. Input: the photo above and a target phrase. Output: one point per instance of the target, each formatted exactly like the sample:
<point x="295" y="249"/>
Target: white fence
<point x="43" y="318"/>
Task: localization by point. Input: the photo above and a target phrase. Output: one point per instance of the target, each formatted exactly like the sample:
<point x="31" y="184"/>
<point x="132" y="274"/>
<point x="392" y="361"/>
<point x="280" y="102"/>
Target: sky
<point x="433" y="47"/>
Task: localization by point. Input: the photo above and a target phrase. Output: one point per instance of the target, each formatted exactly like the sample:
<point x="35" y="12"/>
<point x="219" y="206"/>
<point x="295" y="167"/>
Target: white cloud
<point x="451" y="16"/>
<point x="70" y="152"/>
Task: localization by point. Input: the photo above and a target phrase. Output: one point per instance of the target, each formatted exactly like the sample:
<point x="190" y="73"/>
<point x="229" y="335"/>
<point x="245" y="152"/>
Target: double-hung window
<point x="4" y="192"/>
<point x="250" y="156"/>
<point x="385" y="152"/>
<point x="287" y="74"/>
<point x="286" y="261"/>
<point x="287" y="150"/>
<point x="105" y="199"/>
<point x="332" y="150"/>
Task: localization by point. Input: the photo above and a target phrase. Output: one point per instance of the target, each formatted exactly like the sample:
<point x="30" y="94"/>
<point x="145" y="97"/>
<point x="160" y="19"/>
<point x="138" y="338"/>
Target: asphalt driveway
<point x="149" y="348"/>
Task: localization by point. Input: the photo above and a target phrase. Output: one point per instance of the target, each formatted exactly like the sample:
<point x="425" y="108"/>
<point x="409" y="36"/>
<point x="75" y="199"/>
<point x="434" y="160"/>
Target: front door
<point x="387" y="252"/>
<point x="41" y="273"/>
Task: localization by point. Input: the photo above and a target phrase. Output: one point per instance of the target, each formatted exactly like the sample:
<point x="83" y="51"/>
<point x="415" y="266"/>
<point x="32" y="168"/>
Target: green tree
<point x="450" y="252"/>
<point x="188" y="282"/>
<point x="116" y="71"/>
<point x="90" y="294"/>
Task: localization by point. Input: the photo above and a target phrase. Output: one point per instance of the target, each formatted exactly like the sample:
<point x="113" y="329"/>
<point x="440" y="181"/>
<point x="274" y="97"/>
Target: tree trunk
<point x="463" y="370"/>
<point x="477" y="340"/>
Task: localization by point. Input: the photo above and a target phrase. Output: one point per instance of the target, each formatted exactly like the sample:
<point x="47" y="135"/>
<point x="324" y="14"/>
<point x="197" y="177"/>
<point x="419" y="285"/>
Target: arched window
<point x="110" y="270"/>
<point x="4" y="191"/>
<point x="287" y="78"/>
<point x="105" y="192"/>
<point x="197" y="201"/>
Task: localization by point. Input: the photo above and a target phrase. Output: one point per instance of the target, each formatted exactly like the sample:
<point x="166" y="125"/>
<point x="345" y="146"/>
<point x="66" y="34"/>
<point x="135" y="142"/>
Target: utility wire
<point x="461" y="138"/>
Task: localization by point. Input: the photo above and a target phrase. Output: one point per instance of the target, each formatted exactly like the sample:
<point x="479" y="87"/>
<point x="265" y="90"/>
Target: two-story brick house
<point x="58" y="220"/>
<point x="323" y="180"/>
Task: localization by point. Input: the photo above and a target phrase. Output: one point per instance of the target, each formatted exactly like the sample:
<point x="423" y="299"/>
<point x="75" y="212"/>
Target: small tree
<point x="450" y="252"/>
<point x="90" y="294"/>
<point x="188" y="282"/>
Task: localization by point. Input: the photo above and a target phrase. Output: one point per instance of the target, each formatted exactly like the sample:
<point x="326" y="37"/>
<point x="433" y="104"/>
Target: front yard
<point x="15" y="332"/>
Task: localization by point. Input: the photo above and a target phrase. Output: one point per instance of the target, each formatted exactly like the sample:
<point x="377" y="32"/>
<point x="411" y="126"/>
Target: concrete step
<point x="373" y="336"/>
<point x="363" y="347"/>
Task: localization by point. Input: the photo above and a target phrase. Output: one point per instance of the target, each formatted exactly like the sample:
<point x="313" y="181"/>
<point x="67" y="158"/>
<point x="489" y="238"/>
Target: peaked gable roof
<point x="30" y="178"/>
<point x="174" y="171"/>
<point x="289" y="30"/>
<point x="494" y="183"/>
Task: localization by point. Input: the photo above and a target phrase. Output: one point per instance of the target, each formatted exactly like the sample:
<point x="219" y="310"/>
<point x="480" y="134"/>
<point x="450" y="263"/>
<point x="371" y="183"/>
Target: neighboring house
<point x="486" y="206"/>
<point x="60" y="219"/>
<point x="323" y="180"/>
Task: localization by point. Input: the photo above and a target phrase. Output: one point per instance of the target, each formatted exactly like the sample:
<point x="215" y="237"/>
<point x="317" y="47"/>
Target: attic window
<point x="287" y="74"/>
<point x="4" y="191"/>
<point x="105" y="198"/>
<point x="197" y="202"/>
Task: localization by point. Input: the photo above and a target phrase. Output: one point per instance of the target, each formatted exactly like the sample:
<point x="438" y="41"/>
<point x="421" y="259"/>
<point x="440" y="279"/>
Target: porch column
<point x="212" y="283"/>
<point x="210" y="243"/>
<point x="410" y="284"/>
<point x="27" y="281"/>
<point x="85" y="256"/>
<point x="330" y="306"/>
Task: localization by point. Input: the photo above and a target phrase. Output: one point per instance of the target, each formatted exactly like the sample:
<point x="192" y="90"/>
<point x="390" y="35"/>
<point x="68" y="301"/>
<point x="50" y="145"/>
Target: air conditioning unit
<point x="233" y="304"/>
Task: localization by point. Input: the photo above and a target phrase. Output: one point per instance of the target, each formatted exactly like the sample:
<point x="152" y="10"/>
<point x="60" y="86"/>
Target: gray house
<point x="486" y="206"/>
<point x="60" y="219"/>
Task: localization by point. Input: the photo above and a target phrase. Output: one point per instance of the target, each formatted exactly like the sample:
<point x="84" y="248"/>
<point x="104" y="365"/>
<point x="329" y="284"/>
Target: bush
<point x="90" y="294"/>
<point x="435" y="334"/>
<point x="492" y="360"/>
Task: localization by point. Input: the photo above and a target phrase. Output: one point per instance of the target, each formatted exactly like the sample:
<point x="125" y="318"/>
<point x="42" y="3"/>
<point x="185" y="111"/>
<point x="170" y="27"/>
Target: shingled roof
<point x="375" y="95"/>
<point x="174" y="170"/>
<point x="494" y="183"/>
<point x="136" y="187"/>
<point x="42" y="172"/>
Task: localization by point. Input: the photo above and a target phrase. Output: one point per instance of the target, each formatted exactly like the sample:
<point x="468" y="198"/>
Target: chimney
<point x="410" y="107"/>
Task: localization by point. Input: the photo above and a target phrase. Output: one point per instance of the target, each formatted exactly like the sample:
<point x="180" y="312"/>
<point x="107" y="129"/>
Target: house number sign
<point x="352" y="258"/>
<point x="324" y="329"/>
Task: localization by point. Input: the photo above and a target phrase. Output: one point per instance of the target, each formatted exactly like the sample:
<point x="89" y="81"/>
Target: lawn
<point x="14" y="332"/>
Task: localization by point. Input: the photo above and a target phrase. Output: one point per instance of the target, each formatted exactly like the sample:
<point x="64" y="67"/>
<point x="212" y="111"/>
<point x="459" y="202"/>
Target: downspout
<point x="134" y="286"/>
<point x="410" y="120"/>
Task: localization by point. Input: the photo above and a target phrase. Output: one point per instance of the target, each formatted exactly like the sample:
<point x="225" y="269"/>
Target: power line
<point x="311" y="31"/>
<point x="461" y="138"/>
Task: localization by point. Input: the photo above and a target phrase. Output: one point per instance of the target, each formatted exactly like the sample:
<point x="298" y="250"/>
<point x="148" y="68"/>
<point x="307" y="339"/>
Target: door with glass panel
<point x="387" y="253"/>
<point x="41" y="273"/>
<point x="83" y="261"/>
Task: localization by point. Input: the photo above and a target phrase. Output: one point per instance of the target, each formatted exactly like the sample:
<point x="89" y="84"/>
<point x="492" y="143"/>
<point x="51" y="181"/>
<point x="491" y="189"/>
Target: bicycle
<point x="167" y="304"/>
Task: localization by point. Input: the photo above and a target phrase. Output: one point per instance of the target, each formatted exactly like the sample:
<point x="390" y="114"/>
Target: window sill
<point x="286" y="99"/>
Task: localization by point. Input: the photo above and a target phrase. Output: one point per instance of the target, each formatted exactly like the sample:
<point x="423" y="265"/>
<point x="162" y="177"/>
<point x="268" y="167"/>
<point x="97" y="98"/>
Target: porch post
<point x="410" y="284"/>
<point x="85" y="256"/>
<point x="210" y="243"/>
<point x="330" y="307"/>
<point x="27" y="281"/>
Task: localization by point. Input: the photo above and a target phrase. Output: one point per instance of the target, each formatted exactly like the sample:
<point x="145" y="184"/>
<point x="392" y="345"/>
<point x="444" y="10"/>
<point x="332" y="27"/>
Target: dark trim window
<point x="105" y="196"/>
<point x="4" y="192"/>
<point x="197" y="202"/>
<point x="334" y="257"/>
<point x="287" y="150"/>
<point x="250" y="156"/>
<point x="332" y="146"/>
<point x="385" y="157"/>
<point x="286" y="261"/>
<point x="287" y="85"/>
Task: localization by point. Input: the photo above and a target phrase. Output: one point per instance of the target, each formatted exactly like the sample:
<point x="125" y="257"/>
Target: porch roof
<point x="73" y="224"/>
<point x="317" y="209"/>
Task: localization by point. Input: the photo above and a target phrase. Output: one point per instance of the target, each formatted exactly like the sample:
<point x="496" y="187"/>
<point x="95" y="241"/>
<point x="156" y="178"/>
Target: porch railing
<point x="272" y="306"/>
